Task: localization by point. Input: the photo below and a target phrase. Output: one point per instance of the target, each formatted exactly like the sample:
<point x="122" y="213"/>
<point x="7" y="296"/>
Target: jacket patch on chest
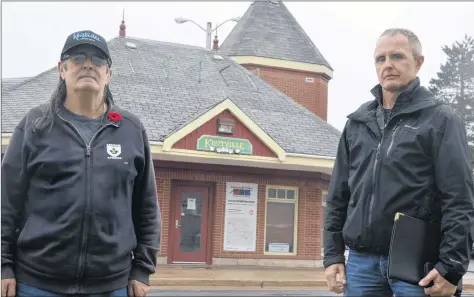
<point x="114" y="151"/>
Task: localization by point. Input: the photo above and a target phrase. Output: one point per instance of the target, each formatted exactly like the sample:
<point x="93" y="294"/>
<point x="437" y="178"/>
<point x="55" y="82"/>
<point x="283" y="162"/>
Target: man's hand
<point x="441" y="287"/>
<point x="137" y="289"/>
<point x="336" y="278"/>
<point x="8" y="287"/>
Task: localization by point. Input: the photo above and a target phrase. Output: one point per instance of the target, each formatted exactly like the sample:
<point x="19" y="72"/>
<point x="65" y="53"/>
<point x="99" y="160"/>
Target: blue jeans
<point x="366" y="275"/>
<point x="24" y="290"/>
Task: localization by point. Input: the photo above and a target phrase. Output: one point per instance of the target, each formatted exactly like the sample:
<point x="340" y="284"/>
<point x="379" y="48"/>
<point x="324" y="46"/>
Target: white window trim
<point x="295" y="223"/>
<point x="323" y="200"/>
<point x="323" y="203"/>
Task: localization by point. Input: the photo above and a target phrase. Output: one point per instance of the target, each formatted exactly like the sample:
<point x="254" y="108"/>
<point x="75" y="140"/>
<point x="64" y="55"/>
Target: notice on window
<point x="279" y="248"/>
<point x="240" y="230"/>
<point x="191" y="203"/>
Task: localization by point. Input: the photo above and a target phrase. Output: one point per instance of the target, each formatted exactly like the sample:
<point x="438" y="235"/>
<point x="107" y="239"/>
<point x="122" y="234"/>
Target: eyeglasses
<point x="81" y="59"/>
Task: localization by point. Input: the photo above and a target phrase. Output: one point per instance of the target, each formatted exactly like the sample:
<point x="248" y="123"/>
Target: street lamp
<point x="208" y="29"/>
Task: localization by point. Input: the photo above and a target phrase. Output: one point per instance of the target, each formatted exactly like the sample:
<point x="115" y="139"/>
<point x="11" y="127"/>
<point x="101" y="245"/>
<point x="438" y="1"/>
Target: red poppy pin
<point x="114" y="116"/>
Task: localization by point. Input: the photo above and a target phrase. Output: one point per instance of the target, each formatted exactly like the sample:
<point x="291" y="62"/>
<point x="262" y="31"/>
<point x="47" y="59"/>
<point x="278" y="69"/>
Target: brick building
<point x="241" y="168"/>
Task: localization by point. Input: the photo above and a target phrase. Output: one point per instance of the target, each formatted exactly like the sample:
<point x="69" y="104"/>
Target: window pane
<point x="272" y="193"/>
<point x="281" y="193"/>
<point x="290" y="194"/>
<point x="280" y="227"/>
<point x="191" y="222"/>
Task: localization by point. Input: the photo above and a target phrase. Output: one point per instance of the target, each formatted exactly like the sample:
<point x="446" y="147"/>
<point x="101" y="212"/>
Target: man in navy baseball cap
<point x="86" y="37"/>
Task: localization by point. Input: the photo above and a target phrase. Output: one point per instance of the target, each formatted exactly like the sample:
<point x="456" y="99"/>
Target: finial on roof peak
<point x="122" y="26"/>
<point x="215" y="42"/>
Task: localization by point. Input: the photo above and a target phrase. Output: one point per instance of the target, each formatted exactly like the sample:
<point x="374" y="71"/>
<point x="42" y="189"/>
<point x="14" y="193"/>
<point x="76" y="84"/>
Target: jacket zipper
<point x="85" y="224"/>
<point x="393" y="137"/>
<point x="376" y="162"/>
<point x="374" y="179"/>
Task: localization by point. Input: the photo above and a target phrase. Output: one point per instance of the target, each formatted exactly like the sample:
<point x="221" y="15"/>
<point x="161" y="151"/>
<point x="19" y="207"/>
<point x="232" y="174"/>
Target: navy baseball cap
<point x="86" y="37"/>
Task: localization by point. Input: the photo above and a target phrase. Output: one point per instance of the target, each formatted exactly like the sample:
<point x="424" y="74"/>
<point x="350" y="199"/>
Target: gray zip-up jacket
<point x="78" y="217"/>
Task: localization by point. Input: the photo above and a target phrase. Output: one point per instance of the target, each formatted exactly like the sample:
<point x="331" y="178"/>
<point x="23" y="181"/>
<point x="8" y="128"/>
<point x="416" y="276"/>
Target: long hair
<point x="57" y="98"/>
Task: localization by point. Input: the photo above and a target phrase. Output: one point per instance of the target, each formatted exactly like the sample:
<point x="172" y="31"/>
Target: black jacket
<point x="73" y="216"/>
<point x="418" y="164"/>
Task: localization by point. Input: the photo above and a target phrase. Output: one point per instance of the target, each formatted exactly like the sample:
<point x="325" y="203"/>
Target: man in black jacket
<point x="79" y="202"/>
<point x="405" y="151"/>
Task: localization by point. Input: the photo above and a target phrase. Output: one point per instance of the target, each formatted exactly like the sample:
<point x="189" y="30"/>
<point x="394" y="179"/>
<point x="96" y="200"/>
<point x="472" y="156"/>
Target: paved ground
<point x="210" y="293"/>
<point x="235" y="280"/>
<point x="240" y="293"/>
<point x="236" y="277"/>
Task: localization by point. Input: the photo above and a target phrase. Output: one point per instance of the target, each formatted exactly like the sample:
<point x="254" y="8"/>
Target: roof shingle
<point x="168" y="85"/>
<point x="7" y="83"/>
<point x="268" y="29"/>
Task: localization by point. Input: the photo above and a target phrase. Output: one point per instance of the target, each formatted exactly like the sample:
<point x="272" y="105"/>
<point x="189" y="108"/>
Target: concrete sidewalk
<point x="247" y="278"/>
<point x="237" y="277"/>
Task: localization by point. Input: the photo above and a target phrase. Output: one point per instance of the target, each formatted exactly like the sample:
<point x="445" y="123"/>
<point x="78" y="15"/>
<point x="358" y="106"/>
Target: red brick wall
<point x="309" y="208"/>
<point x="312" y="95"/>
<point x="189" y="142"/>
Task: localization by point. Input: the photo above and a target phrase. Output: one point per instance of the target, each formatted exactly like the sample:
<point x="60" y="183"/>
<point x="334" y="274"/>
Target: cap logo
<point x="85" y="35"/>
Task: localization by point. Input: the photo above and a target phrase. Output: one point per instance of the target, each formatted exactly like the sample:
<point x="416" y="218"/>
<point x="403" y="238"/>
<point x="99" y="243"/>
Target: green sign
<point x="224" y="145"/>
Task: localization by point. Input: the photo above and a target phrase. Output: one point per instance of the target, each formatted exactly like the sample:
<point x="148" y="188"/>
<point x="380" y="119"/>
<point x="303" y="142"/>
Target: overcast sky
<point x="345" y="33"/>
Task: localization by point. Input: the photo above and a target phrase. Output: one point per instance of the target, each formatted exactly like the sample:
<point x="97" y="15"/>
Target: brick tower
<point x="269" y="41"/>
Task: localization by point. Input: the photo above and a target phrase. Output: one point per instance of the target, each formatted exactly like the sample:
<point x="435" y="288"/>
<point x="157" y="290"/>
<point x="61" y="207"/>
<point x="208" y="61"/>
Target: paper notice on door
<point x="191" y="203"/>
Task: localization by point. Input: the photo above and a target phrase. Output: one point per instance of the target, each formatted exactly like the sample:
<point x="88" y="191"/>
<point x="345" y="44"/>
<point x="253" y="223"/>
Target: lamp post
<point x="208" y="29"/>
